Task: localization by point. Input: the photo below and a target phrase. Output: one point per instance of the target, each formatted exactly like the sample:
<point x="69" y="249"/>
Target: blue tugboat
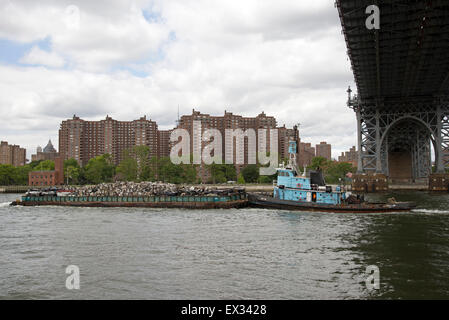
<point x="309" y="192"/>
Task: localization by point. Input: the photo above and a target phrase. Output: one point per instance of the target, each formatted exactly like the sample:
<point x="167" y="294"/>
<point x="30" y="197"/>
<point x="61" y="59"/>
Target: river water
<point x="139" y="253"/>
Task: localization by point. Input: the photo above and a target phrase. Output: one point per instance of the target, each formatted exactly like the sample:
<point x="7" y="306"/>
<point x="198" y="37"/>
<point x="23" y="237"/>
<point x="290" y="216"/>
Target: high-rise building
<point x="12" y="154"/>
<point x="306" y="154"/>
<point x="164" y="144"/>
<point x="83" y="140"/>
<point x="198" y="122"/>
<point x="324" y="150"/>
<point x="349" y="156"/>
<point x="48" y="153"/>
<point x="285" y="135"/>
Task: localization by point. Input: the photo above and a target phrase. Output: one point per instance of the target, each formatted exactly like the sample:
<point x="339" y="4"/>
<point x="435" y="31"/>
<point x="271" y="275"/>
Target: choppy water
<point x="224" y="254"/>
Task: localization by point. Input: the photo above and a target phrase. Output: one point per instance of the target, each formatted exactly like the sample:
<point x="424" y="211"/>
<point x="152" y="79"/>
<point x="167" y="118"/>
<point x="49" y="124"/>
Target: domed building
<point x="48" y="153"/>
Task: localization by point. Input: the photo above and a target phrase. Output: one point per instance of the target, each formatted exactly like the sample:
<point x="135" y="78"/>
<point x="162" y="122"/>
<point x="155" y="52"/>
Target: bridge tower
<point x="402" y="75"/>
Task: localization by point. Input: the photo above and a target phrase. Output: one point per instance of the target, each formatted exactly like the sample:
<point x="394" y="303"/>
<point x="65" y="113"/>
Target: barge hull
<point x="186" y="205"/>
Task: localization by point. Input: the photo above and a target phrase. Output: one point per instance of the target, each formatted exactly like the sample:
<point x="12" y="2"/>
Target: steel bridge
<point x="402" y="75"/>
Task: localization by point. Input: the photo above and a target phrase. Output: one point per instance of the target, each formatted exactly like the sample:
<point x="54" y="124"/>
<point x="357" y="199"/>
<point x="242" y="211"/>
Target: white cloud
<point x="41" y="57"/>
<point x="285" y="57"/>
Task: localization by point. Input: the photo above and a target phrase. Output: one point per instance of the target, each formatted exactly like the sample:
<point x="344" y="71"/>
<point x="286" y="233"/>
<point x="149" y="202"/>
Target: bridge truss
<point x="402" y="75"/>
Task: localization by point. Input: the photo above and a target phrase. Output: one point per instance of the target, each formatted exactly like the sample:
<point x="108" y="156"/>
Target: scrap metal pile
<point x="145" y="189"/>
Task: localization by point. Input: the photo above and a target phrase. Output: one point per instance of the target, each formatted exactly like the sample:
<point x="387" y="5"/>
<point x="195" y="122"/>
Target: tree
<point x="319" y="163"/>
<point x="266" y="179"/>
<point x="72" y="171"/>
<point x="240" y="179"/>
<point x="189" y="173"/>
<point x="337" y="171"/>
<point x="99" y="169"/>
<point x="217" y="173"/>
<point x="21" y="175"/>
<point x="71" y="163"/>
<point x="128" y="167"/>
<point x="71" y="174"/>
<point x="142" y="156"/>
<point x="10" y="175"/>
<point x="45" y="165"/>
<point x="250" y="173"/>
<point x="220" y="173"/>
<point x="7" y="174"/>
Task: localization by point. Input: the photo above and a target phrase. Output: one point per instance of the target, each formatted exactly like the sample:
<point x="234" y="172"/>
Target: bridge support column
<point x="359" y="140"/>
<point x="378" y="144"/>
<point x="439" y="161"/>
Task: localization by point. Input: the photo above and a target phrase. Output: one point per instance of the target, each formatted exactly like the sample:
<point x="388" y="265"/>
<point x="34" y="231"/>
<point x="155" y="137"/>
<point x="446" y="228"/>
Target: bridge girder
<point x="402" y="76"/>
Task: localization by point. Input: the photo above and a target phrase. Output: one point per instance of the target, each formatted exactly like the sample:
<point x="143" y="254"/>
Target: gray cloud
<point x="287" y="58"/>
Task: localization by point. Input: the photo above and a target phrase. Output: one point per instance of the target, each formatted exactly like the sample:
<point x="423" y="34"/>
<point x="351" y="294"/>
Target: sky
<point x="132" y="58"/>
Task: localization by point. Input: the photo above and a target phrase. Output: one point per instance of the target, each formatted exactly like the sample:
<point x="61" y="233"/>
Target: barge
<point x="237" y="200"/>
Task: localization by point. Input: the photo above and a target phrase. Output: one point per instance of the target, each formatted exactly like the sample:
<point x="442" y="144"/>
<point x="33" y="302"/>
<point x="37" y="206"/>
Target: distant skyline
<point x="127" y="59"/>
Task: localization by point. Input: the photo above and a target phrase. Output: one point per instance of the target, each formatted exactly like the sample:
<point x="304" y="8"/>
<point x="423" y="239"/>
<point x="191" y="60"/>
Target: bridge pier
<point x="439" y="182"/>
<point x="369" y="183"/>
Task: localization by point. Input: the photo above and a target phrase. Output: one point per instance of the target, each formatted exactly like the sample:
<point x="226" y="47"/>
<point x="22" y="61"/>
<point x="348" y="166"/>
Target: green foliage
<point x="136" y="165"/>
<point x="71" y="163"/>
<point x="34" y="164"/>
<point x="142" y="156"/>
<point x="337" y="171"/>
<point x="42" y="165"/>
<point x="266" y="179"/>
<point x="10" y="175"/>
<point x="21" y="175"/>
<point x="72" y="174"/>
<point x="167" y="171"/>
<point x="221" y="173"/>
<point x="319" y="163"/>
<point x="128" y="167"/>
<point x="99" y="169"/>
<point x="250" y="173"/>
<point x="7" y="174"/>
<point x="72" y="171"/>
<point x="333" y="170"/>
<point x="240" y="179"/>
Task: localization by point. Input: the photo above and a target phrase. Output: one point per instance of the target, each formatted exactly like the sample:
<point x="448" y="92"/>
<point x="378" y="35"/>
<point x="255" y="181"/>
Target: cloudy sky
<point x="145" y="57"/>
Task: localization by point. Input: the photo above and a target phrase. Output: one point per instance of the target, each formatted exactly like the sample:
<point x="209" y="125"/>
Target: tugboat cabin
<point x="312" y="188"/>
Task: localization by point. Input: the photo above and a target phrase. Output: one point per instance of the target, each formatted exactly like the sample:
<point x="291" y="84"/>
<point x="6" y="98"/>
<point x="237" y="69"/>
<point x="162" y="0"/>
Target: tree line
<point x="137" y="165"/>
<point x="334" y="172"/>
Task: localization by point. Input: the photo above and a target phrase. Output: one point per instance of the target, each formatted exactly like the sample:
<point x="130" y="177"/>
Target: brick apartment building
<point x="84" y="140"/>
<point x="323" y="150"/>
<point x="12" y="154"/>
<point x="306" y="154"/>
<point x="232" y="121"/>
<point x="349" y="156"/>
<point x="163" y="142"/>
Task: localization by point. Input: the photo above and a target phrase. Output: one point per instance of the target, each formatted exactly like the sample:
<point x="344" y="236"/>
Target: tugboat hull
<point x="262" y="201"/>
